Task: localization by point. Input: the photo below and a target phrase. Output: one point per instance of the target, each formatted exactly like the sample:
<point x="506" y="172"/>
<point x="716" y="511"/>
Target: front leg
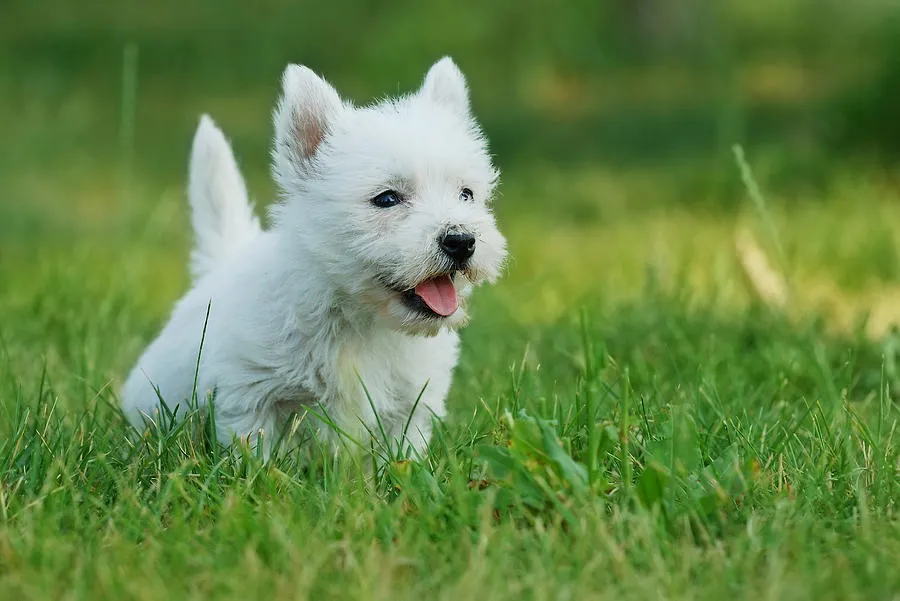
<point x="411" y="432"/>
<point x="242" y="413"/>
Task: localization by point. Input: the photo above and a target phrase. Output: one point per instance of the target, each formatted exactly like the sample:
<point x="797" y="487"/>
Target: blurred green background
<point x="613" y="122"/>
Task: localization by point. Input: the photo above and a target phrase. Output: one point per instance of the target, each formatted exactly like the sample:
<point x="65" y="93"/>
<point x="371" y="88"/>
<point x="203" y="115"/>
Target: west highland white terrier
<point x="347" y="307"/>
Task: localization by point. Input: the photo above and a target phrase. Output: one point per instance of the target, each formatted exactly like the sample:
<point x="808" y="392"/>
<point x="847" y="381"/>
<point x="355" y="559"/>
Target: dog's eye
<point x="466" y="195"/>
<point x="388" y="198"/>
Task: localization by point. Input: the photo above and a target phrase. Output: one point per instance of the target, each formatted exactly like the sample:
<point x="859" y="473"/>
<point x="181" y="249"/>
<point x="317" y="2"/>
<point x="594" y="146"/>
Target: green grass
<point x="652" y="449"/>
<point x="626" y="422"/>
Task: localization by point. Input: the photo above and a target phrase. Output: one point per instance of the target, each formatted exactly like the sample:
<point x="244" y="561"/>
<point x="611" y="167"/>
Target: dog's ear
<point x="446" y="85"/>
<point x="303" y="118"/>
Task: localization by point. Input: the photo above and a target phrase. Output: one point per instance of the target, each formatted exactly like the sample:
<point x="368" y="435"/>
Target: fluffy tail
<point x="221" y="212"/>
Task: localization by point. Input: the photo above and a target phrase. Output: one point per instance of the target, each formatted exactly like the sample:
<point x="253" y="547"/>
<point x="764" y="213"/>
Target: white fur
<point x="221" y="214"/>
<point x="301" y="315"/>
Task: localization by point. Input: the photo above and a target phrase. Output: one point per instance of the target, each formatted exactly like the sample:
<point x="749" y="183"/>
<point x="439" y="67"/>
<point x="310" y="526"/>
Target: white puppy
<point x="349" y="304"/>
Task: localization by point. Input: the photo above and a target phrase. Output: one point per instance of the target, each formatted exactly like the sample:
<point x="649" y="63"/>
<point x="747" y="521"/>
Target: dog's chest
<point x="356" y="378"/>
<point x="378" y="372"/>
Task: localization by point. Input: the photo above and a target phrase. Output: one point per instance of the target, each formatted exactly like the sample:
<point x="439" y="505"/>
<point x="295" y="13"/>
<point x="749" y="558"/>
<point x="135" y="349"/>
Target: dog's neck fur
<point x="341" y="317"/>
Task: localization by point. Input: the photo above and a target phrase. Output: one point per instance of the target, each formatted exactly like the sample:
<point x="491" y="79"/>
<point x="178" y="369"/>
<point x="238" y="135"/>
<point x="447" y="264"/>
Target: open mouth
<point x="435" y="297"/>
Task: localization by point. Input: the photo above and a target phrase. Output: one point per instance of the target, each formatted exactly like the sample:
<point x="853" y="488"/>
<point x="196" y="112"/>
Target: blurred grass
<point x="623" y="328"/>
<point x="563" y="86"/>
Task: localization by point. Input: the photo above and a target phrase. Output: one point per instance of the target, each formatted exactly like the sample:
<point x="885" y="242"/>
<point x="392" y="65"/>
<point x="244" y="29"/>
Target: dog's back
<point x="224" y="224"/>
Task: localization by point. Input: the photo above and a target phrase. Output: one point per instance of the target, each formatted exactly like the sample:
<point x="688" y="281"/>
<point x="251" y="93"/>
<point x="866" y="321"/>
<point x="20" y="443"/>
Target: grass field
<point x="628" y="420"/>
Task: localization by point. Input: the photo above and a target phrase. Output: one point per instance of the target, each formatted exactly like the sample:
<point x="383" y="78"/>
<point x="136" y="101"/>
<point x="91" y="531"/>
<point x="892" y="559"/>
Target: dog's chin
<point x="409" y="317"/>
<point x="413" y="311"/>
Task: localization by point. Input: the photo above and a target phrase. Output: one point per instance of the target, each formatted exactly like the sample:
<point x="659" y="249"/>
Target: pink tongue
<point x="439" y="294"/>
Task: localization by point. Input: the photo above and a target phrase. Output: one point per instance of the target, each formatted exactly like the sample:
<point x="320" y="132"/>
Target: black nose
<point x="458" y="246"/>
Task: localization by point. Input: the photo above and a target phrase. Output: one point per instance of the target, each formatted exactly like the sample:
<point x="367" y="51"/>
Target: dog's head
<point x="392" y="200"/>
